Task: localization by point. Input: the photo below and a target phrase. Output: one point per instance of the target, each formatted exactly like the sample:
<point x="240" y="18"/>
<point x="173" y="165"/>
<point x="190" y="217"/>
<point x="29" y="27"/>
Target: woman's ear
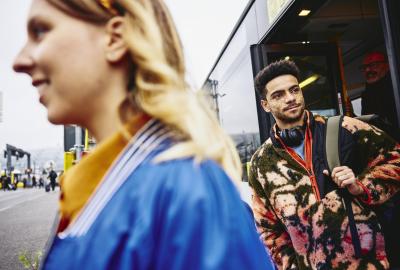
<point x="116" y="46"/>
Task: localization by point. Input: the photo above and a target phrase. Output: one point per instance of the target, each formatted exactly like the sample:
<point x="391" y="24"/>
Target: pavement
<point x="26" y="217"/>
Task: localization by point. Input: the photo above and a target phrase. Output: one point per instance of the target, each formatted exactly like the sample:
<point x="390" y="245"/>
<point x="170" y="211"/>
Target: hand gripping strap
<point x="332" y="157"/>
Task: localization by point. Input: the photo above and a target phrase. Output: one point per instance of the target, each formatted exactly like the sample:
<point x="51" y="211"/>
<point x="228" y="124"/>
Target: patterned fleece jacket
<point x="304" y="232"/>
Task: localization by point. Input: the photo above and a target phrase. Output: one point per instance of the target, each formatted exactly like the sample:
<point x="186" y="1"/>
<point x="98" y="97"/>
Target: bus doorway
<point x="330" y="44"/>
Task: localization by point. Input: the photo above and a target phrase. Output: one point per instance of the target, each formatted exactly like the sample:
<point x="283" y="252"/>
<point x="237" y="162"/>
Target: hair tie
<point x="108" y="5"/>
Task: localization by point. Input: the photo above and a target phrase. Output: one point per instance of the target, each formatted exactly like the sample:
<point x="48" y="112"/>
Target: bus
<point x="327" y="39"/>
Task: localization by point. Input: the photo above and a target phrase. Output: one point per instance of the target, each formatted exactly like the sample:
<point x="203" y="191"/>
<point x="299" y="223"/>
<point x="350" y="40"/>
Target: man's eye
<point x="277" y="96"/>
<point x="295" y="90"/>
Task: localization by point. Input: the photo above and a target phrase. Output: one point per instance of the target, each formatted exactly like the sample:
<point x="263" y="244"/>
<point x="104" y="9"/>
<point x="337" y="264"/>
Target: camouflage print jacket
<point x="304" y="232"/>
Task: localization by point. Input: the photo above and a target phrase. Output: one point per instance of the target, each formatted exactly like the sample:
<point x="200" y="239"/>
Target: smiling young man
<point x="299" y="206"/>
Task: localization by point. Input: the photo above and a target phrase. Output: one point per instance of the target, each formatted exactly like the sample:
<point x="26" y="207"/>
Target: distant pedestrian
<point x="34" y="183"/>
<point x="52" y="176"/>
<point x="13" y="184"/>
<point x="4" y="182"/>
<point x="41" y="182"/>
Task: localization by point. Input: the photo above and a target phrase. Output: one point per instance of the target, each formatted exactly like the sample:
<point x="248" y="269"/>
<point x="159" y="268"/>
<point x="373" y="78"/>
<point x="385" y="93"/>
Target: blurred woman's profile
<point x="156" y="192"/>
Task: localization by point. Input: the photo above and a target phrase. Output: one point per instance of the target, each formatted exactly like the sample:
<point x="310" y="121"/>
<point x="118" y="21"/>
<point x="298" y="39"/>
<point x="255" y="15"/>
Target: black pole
<point x="389" y="13"/>
<point x="29" y="165"/>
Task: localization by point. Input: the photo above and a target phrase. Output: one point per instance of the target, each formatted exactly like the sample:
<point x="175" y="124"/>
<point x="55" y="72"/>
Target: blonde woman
<point x="153" y="194"/>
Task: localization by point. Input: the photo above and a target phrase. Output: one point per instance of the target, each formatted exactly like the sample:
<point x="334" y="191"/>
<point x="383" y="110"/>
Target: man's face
<point x="284" y="99"/>
<point x="374" y="67"/>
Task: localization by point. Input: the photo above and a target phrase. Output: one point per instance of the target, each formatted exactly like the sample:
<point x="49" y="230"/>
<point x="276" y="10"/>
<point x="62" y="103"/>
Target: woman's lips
<point x="41" y="90"/>
<point x="41" y="100"/>
<point x="38" y="82"/>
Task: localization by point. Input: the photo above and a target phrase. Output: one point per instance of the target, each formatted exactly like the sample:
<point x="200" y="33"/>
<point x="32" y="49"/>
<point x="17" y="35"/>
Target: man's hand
<point x="343" y="176"/>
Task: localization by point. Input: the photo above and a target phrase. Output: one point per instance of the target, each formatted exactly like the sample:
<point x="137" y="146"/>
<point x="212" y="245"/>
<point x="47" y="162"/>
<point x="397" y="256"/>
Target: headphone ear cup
<point x="292" y="137"/>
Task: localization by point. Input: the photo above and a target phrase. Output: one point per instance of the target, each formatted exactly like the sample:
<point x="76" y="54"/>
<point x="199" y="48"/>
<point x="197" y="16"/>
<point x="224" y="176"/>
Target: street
<point x="26" y="216"/>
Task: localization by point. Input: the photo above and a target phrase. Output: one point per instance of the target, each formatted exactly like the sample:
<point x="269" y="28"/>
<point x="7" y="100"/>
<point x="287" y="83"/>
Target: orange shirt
<point x="79" y="182"/>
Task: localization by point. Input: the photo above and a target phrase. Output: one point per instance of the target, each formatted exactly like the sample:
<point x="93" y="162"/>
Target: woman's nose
<point x="23" y="62"/>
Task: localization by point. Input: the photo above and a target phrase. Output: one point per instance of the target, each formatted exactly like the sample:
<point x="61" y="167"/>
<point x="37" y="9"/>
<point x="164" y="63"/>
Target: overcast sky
<point x="204" y="26"/>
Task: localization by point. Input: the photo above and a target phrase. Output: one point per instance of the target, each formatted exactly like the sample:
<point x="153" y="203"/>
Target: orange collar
<point x="79" y="182"/>
<point x="307" y="163"/>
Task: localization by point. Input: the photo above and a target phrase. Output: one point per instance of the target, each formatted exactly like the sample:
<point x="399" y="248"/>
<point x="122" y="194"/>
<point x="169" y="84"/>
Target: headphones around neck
<point x="293" y="137"/>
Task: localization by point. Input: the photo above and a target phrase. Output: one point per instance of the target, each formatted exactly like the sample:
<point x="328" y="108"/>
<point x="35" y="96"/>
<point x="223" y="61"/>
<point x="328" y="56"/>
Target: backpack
<point x="388" y="213"/>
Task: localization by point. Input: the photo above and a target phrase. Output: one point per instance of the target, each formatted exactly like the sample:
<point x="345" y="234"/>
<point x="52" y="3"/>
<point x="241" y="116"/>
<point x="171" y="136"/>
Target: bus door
<point x="319" y="77"/>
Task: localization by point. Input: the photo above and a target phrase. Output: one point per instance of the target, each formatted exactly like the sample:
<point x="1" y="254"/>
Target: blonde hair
<point x="159" y="79"/>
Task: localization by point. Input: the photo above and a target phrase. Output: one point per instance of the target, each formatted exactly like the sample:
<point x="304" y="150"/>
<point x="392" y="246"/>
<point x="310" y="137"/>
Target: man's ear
<point x="116" y="46"/>
<point x="265" y="105"/>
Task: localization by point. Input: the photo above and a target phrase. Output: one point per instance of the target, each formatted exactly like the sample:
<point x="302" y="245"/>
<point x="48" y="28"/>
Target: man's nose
<point x="289" y="97"/>
<point x="23" y="62"/>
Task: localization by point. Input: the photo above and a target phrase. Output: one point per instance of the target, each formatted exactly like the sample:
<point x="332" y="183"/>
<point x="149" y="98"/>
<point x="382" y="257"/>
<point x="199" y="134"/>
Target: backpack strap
<point x="332" y="141"/>
<point x="332" y="157"/>
<point x="368" y="118"/>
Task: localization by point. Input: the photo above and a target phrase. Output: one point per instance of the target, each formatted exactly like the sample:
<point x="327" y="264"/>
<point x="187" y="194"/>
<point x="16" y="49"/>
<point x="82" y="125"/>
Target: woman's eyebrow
<point x="31" y="23"/>
<point x="35" y="19"/>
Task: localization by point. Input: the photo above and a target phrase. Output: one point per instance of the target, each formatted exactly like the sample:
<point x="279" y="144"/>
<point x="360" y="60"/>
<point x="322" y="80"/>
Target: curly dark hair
<point x="273" y="70"/>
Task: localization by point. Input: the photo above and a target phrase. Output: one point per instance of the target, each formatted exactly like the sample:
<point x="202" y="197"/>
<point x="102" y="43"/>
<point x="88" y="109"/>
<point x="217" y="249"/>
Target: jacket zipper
<point x="313" y="179"/>
<point x="310" y="172"/>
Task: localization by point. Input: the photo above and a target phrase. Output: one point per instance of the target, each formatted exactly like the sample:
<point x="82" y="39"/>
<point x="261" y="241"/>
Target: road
<point x="26" y="216"/>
